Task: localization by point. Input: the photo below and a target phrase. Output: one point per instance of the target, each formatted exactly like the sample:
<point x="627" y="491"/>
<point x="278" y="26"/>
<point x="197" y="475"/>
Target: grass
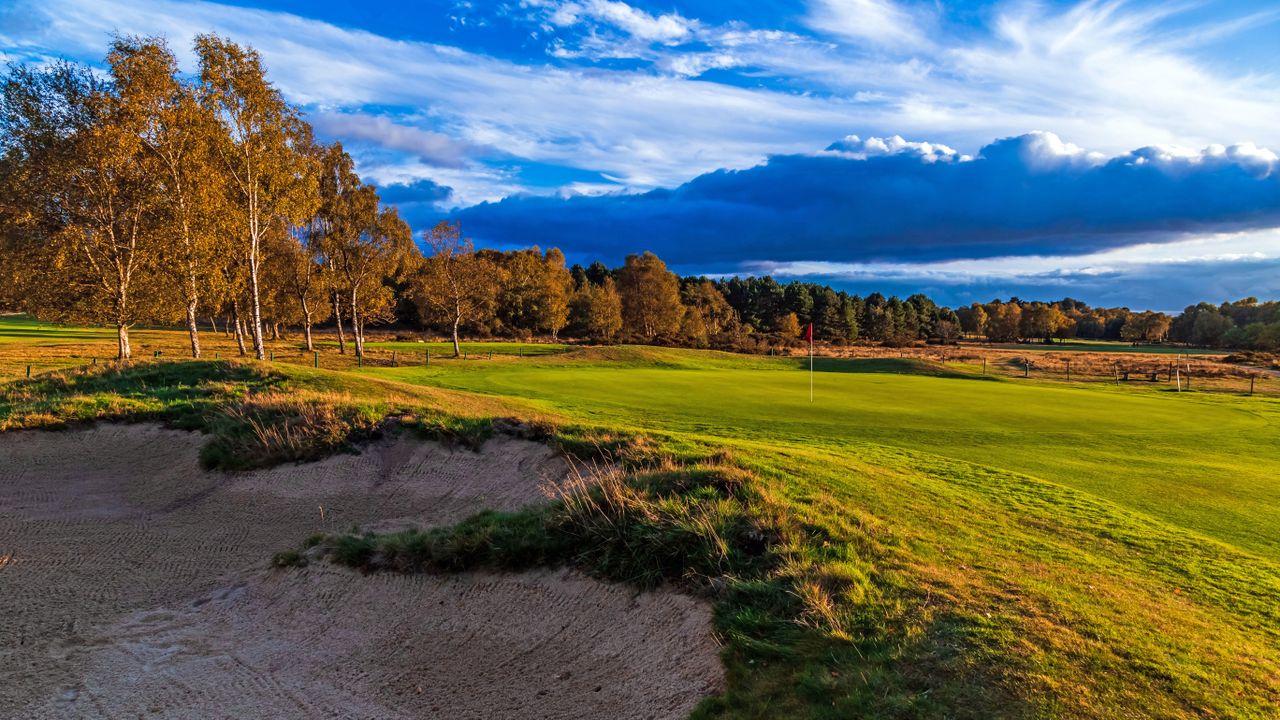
<point x="24" y="329"/>
<point x="1108" y="346"/>
<point x="1215" y="454"/>
<point x="445" y="349"/>
<point x="918" y="542"/>
<point x="255" y="415"/>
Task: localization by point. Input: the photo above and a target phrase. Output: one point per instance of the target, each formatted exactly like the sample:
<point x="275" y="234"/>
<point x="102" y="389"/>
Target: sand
<point x="134" y="584"/>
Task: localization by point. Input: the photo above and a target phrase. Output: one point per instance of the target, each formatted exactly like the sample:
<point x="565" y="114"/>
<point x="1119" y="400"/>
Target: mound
<point x="135" y="584"/>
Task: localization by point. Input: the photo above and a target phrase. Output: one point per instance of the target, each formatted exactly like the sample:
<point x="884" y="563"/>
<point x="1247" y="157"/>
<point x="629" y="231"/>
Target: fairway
<point x="1204" y="463"/>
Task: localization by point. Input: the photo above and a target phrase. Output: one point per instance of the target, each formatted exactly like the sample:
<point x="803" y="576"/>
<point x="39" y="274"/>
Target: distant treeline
<point x="147" y="196"/>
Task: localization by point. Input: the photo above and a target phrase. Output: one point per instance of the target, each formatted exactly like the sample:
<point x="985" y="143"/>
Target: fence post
<point x="273" y="356"/>
<point x="1251" y="379"/>
<point x="393" y="358"/>
<point x="1026" y="369"/>
<point x="95" y="361"/>
<point x="315" y="359"/>
<point x="28" y="371"/>
<point x="427" y="354"/>
<point x="984" y="365"/>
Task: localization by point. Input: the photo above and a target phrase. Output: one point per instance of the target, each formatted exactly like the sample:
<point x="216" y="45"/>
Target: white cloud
<point x="856" y="148"/>
<point x="648" y="130"/>
<point x="667" y="28"/>
<point x="433" y="148"/>
<point x="878" y="22"/>
<point x="1212" y="248"/>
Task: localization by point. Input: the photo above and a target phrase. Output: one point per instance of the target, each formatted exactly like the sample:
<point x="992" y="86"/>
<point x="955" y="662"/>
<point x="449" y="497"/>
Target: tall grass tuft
<point x="272" y="428"/>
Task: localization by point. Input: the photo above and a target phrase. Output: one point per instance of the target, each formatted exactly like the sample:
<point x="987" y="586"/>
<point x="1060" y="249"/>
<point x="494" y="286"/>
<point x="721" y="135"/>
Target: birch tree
<point x="260" y="132"/>
<point x="90" y="199"/>
<point x="179" y="136"/>
<point x="454" y="285"/>
<point x="373" y="247"/>
<point x="305" y="276"/>
<point x="337" y="181"/>
<point x="650" y="296"/>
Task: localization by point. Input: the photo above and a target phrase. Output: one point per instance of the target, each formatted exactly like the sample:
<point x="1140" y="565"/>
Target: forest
<point x="147" y="196"/>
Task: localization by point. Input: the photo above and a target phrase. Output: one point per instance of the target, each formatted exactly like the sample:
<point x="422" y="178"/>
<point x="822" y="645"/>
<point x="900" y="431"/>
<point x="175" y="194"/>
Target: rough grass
<point x="255" y="415"/>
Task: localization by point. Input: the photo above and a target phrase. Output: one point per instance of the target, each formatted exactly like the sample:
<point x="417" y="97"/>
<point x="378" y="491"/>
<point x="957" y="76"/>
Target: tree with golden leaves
<point x="179" y="137"/>
<point x="337" y="182"/>
<point x="650" y="296"/>
<point x="454" y="285"/>
<point x="90" y="213"/>
<point x="596" y="310"/>
<point x="260" y="154"/>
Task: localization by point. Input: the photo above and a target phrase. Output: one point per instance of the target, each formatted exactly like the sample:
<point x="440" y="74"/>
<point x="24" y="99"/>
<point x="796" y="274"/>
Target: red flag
<point x="808" y="333"/>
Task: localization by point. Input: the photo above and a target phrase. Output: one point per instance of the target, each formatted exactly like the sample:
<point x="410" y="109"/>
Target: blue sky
<point x="1118" y="152"/>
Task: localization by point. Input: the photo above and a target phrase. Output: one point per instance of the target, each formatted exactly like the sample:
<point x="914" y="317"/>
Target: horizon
<point x="966" y="153"/>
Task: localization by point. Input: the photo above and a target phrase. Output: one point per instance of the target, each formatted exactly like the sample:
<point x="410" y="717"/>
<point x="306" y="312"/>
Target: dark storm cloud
<point x="896" y="200"/>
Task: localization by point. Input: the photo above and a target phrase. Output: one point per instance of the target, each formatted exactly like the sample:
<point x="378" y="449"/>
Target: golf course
<point x="635" y="360"/>
<point x="918" y="540"/>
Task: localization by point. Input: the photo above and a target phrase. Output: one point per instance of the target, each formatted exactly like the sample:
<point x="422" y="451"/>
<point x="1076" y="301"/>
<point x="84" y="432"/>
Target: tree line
<point x="1244" y="324"/>
<point x="148" y="196"/>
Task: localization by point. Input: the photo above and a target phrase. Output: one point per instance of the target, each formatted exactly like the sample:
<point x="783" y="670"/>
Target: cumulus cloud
<point x="856" y="148"/>
<point x="877" y="199"/>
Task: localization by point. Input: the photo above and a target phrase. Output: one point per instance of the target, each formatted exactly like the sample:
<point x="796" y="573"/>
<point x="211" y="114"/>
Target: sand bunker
<point x="134" y="584"/>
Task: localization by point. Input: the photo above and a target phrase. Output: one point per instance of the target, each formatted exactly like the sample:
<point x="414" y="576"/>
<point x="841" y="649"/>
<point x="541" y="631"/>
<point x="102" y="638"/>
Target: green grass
<point x="918" y="542"/>
<point x="1204" y="462"/>
<point x="444" y="349"/>
<point x="25" y="329"/>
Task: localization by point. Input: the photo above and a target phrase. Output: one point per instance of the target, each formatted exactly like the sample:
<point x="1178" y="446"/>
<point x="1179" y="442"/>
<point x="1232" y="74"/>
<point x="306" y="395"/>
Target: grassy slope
<point x="955" y="547"/>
